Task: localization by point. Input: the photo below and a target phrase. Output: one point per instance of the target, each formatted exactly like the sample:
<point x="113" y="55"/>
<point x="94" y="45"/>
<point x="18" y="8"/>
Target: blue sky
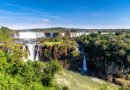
<point x="19" y="14"/>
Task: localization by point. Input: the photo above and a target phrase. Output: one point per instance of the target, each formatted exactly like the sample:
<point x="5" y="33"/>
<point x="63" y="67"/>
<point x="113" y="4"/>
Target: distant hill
<point x="55" y="29"/>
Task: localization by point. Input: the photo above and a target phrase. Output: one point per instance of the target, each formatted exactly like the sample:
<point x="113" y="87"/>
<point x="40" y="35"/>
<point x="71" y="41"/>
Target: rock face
<point x="46" y="52"/>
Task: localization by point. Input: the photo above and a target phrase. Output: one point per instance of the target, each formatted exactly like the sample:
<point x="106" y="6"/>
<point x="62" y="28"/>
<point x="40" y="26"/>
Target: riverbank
<point x="76" y="81"/>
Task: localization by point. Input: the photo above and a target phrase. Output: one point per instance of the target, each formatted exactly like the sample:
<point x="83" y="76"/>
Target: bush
<point x="28" y="75"/>
<point x="3" y="63"/>
<point x="49" y="71"/>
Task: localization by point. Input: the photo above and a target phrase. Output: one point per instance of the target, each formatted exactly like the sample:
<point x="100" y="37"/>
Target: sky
<point x="89" y="14"/>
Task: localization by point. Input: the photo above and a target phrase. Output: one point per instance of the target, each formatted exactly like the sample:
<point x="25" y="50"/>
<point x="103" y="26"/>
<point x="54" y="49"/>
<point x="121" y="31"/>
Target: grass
<point x="52" y="43"/>
<point x="76" y="81"/>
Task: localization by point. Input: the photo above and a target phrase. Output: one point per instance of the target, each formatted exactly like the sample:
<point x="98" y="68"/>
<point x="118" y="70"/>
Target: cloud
<point x="26" y="17"/>
<point x="24" y="26"/>
<point x="45" y="20"/>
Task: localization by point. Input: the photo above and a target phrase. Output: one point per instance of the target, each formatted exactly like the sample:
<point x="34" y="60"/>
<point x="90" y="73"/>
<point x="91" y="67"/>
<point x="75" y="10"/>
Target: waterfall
<point x="28" y="35"/>
<point x="36" y="52"/>
<point x="51" y="35"/>
<point x="31" y="51"/>
<point x="83" y="51"/>
<point x="37" y="57"/>
<point x="84" y="67"/>
<point x="25" y="49"/>
<point x="27" y="38"/>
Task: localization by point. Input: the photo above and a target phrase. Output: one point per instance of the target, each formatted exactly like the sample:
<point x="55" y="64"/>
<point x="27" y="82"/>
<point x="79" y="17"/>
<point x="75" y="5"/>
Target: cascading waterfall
<point x="37" y="57"/>
<point x="25" y="49"/>
<point x="36" y="52"/>
<point x="27" y="38"/>
<point x="84" y="67"/>
<point x="51" y="35"/>
<point x="31" y="51"/>
<point x="84" y="64"/>
<point x="28" y="35"/>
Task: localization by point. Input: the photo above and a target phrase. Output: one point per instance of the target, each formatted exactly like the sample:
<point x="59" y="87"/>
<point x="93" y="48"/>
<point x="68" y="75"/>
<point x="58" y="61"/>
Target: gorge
<point x="86" y="54"/>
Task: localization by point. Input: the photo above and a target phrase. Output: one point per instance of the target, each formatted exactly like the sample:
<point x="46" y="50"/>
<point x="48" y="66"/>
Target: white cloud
<point x="24" y="26"/>
<point x="45" y="20"/>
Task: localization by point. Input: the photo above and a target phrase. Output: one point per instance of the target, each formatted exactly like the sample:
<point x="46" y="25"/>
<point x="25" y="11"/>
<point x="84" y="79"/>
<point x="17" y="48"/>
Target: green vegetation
<point x="26" y="75"/>
<point x="5" y="34"/>
<point x="8" y="82"/>
<point x="105" y="50"/>
<point x="52" y="43"/>
<point x="15" y="74"/>
<point x="58" y="48"/>
<point x="107" y="55"/>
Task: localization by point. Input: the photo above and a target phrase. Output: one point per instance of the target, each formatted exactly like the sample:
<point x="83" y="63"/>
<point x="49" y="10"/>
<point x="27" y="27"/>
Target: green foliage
<point x="49" y="71"/>
<point x="104" y="50"/>
<point x="9" y="83"/>
<point x="3" y="63"/>
<point x="26" y="75"/>
<point x="19" y="75"/>
<point x="59" y="48"/>
<point x="5" y="34"/>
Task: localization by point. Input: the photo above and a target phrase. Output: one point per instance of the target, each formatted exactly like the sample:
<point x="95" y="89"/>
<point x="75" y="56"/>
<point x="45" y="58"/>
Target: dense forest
<point x="105" y="51"/>
<point x="108" y="56"/>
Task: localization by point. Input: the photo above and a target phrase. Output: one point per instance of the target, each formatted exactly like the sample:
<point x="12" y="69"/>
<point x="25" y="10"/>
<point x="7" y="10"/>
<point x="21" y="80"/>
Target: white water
<point x="31" y="51"/>
<point x="24" y="49"/>
<point x="51" y="35"/>
<point x="84" y="67"/>
<point x="37" y="55"/>
<point x="29" y="35"/>
<point x="26" y="38"/>
<point x="84" y="64"/>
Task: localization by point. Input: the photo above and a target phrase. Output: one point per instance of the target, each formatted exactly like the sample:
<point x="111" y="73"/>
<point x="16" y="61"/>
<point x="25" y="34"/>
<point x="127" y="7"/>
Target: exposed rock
<point x="109" y="78"/>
